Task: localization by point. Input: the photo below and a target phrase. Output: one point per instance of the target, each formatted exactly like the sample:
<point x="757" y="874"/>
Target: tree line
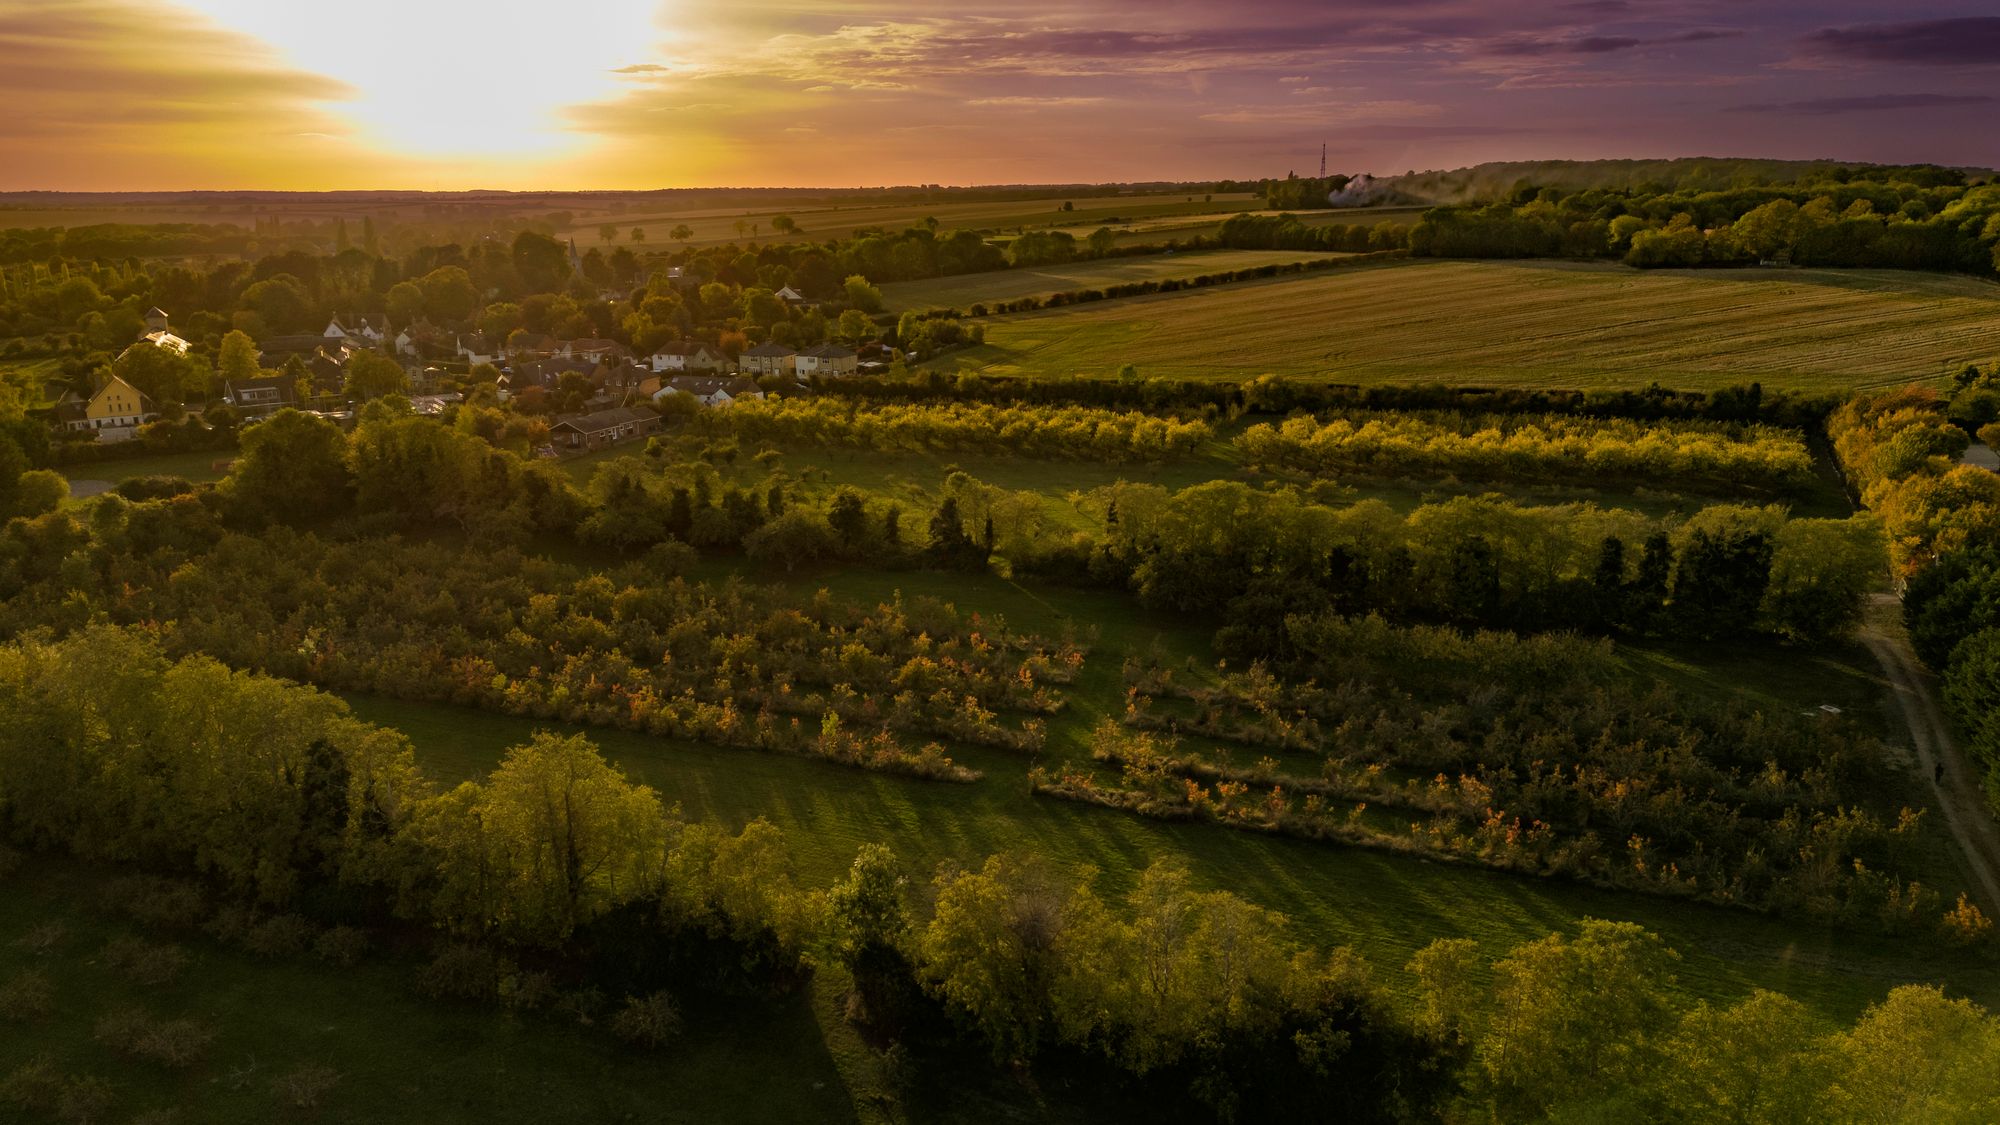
<point x="1058" y="432"/>
<point x="1924" y="224"/>
<point x="1272" y="395"/>
<point x="1519" y="447"/>
<point x="1901" y="451"/>
<point x="1226" y="551"/>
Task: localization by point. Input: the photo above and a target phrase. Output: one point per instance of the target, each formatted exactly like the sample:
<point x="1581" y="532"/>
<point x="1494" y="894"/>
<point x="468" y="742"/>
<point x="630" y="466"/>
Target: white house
<point x="356" y="331"/>
<point x="415" y="338"/>
<point x="476" y="348"/>
<point x="592" y="349"/>
<point x="709" y="390"/>
<point x="687" y="355"/>
<point x="791" y="296"/>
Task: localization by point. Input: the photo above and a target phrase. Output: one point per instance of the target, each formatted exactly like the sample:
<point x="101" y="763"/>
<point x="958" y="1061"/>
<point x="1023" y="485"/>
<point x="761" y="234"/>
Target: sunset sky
<point x="447" y="94"/>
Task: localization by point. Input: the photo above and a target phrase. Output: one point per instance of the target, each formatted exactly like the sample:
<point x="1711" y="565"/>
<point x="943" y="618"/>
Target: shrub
<point x="304" y="1087"/>
<point x="84" y="1100"/>
<point x="34" y="1085"/>
<point x="120" y="1030"/>
<point x="529" y="992"/>
<point x="647" y="1021"/>
<point x="164" y="904"/>
<point x="1965" y="924"/>
<point x="581" y="1004"/>
<point x="672" y="559"/>
<point x="145" y="962"/>
<point x="139" y="489"/>
<point x="43" y="939"/>
<point x="231" y="924"/>
<point x="27" y="995"/>
<point x="175" y="1043"/>
<point x="282" y="935"/>
<point x="342" y="946"/>
<point x="461" y="972"/>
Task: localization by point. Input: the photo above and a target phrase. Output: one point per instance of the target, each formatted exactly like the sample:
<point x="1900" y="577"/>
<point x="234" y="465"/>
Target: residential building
<point x="418" y="339"/>
<point x="254" y="398"/>
<point x="709" y="390"/>
<point x="828" y="359"/>
<point x="116" y="410"/>
<point x="476" y="348"/>
<point x="689" y="355"/>
<point x="357" y="331"/>
<point x="605" y="427"/>
<point x="531" y="345"/>
<point x="592" y="349"/>
<point x="768" y="358"/>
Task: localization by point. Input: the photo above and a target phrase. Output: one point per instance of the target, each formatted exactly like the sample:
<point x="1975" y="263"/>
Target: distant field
<point x="1526" y="323"/>
<point x="712" y="225"/>
<point x="1183" y="228"/>
<point x="197" y="466"/>
<point x="1006" y="285"/>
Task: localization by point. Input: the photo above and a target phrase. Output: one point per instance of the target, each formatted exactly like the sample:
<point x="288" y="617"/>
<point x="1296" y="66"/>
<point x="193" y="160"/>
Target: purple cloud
<point x="1588" y="45"/>
<point x="1870" y="103"/>
<point x="1971" y="41"/>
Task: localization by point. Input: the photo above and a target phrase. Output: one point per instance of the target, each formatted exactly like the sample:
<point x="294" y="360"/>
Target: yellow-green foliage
<point x="1533" y="447"/>
<point x="1074" y="432"/>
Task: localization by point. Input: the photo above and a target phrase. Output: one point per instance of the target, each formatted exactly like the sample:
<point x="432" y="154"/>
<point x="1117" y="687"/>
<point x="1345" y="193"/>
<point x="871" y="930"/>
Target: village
<point x="593" y="391"/>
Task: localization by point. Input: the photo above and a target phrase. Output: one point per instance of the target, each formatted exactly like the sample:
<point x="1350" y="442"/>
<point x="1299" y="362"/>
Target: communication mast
<point x="1322" y="161"/>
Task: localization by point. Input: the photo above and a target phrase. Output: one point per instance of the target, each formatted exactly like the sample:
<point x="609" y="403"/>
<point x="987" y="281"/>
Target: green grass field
<point x="1006" y="285"/>
<point x="399" y="1057"/>
<point x="1385" y="905"/>
<point x="197" y="466"/>
<point x="1525" y="324"/>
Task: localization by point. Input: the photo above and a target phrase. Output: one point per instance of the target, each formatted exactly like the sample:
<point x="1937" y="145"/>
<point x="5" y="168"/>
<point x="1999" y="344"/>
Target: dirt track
<point x="1965" y="811"/>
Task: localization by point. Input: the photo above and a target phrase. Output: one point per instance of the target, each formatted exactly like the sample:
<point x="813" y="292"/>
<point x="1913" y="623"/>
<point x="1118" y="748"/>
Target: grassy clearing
<point x="1526" y="324"/>
<point x="1006" y="285"/>
<point x="1388" y="906"/>
<point x="196" y="466"/>
<point x="400" y="1058"/>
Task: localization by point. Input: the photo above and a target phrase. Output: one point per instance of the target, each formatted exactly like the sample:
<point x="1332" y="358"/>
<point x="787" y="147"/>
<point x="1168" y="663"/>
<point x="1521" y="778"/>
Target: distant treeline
<point x="1860" y="224"/>
<point x="1502" y="180"/>
<point x="1171" y="284"/>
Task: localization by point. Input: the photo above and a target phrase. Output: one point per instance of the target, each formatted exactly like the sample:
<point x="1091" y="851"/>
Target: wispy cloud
<point x="1867" y="103"/>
